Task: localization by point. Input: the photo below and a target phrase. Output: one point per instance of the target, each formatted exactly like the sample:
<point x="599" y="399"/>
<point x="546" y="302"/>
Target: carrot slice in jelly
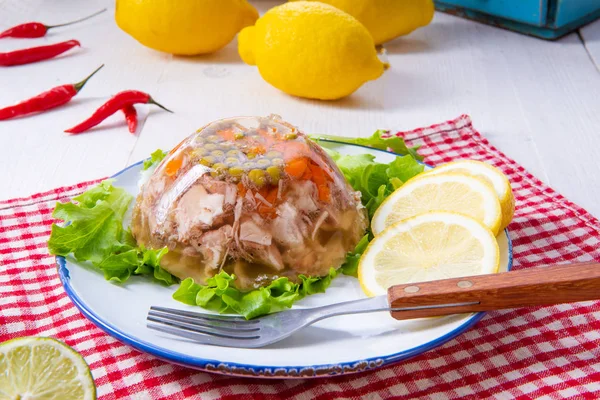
<point x="296" y="168"/>
<point x="324" y="193"/>
<point x="173" y="166"/>
<point x="242" y="189"/>
<point x="318" y="175"/>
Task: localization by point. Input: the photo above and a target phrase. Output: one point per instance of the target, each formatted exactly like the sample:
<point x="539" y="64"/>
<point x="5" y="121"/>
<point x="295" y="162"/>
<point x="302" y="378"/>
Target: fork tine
<point x="205" y="339"/>
<point x="206" y="330"/>
<point x="203" y="323"/>
<point x="233" y="320"/>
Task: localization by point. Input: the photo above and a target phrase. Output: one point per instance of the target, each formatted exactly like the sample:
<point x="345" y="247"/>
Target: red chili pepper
<point x="130" y="117"/>
<point x="37" y="29"/>
<point x="116" y="103"/>
<point x="45" y="101"/>
<point x="35" y="54"/>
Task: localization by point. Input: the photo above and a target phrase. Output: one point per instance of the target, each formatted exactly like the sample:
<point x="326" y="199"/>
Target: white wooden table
<point x="537" y="101"/>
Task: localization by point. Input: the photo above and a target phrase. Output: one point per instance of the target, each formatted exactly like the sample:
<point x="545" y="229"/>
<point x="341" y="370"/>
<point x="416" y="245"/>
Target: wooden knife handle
<point x="539" y="286"/>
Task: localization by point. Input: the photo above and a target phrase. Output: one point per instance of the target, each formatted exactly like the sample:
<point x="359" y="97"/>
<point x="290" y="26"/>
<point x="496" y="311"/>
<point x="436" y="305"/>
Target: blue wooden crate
<point x="547" y="19"/>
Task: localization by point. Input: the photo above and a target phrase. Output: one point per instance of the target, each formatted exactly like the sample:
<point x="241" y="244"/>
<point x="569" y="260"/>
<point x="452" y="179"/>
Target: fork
<point x="524" y="288"/>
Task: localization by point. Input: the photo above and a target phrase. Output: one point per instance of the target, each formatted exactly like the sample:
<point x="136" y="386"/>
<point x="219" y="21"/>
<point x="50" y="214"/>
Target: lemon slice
<point x="453" y="192"/>
<point x="427" y="247"/>
<point x="490" y="174"/>
<point x="43" y="368"/>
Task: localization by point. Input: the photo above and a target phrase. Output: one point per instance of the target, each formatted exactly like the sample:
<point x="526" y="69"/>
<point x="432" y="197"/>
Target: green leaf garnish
<point x="377" y="141"/>
<point x="220" y="294"/>
<point x="154" y="159"/>
<point x="376" y="181"/>
<point x="95" y="233"/>
<point x="350" y="266"/>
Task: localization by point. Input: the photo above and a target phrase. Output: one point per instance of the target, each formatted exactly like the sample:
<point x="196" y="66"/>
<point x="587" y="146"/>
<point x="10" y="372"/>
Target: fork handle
<point x="540" y="286"/>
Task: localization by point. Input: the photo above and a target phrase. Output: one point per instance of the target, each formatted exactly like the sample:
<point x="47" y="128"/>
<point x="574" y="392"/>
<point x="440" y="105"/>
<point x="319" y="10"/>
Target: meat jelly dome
<point x="252" y="196"/>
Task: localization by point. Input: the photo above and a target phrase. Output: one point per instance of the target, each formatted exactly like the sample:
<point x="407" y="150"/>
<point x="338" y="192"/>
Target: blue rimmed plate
<point x="335" y="346"/>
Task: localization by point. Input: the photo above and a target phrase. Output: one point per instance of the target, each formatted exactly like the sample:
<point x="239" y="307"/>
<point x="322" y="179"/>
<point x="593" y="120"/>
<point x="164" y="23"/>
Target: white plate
<point x="335" y="346"/>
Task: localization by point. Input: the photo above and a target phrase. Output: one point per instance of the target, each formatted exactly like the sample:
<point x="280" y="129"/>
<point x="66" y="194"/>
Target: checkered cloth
<point x="543" y="353"/>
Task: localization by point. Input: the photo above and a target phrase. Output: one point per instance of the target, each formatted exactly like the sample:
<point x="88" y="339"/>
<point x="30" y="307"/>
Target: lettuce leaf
<point x="377" y="141"/>
<point x="375" y="180"/>
<point x="220" y="294"/>
<point x="94" y="232"/>
<point x="350" y="266"/>
<point x="403" y="168"/>
<point x="155" y="158"/>
<point x="96" y="224"/>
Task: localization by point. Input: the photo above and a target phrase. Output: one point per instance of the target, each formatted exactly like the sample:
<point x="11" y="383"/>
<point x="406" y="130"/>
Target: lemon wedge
<point x="460" y="193"/>
<point x="490" y="174"/>
<point x="430" y="246"/>
<point x="43" y="368"/>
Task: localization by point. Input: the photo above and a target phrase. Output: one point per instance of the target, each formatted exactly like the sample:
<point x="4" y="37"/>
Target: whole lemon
<point x="184" y="27"/>
<point x="311" y="49"/>
<point x="387" y="19"/>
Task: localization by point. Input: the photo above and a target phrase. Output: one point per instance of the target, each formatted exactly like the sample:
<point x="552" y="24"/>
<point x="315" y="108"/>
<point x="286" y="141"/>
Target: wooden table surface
<point x="537" y="101"/>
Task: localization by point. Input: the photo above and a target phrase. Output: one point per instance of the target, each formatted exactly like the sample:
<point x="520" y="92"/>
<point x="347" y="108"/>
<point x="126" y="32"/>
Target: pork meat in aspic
<point x="251" y="196"/>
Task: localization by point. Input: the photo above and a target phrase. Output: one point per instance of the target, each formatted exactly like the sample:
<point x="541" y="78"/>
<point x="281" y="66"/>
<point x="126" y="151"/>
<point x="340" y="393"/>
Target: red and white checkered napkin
<point x="547" y="352"/>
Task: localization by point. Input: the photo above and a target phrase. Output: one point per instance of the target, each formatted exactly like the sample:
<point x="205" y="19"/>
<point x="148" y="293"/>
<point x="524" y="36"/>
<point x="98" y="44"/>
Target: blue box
<point x="547" y="19"/>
